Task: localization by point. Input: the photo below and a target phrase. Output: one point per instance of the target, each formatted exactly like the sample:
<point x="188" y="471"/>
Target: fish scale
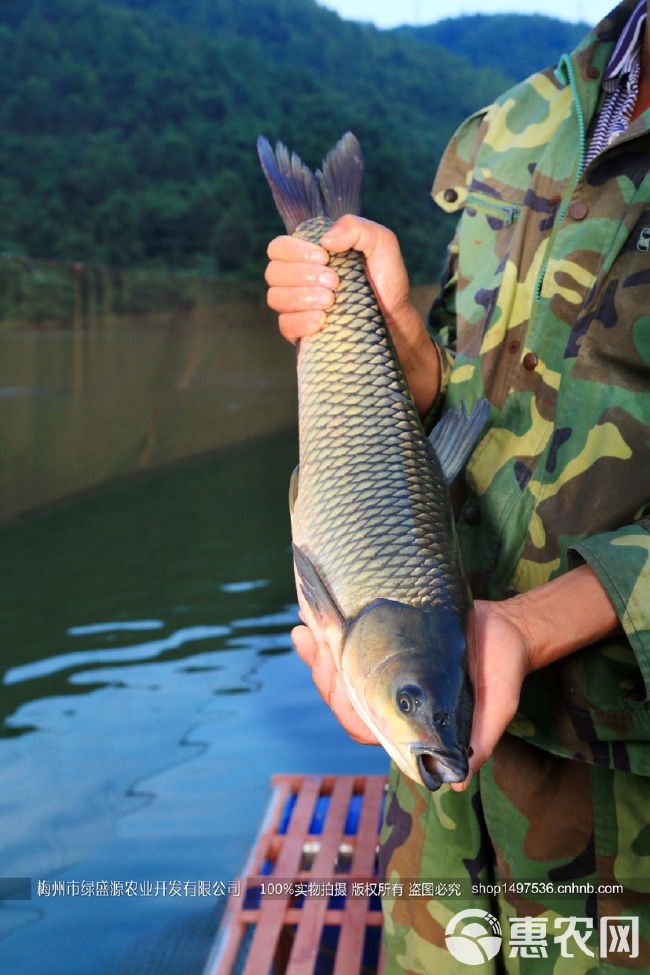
<point x="367" y="520"/>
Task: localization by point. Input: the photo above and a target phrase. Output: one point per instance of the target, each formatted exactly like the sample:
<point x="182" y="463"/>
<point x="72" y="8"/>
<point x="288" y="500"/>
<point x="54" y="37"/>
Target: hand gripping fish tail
<point x="378" y="571"/>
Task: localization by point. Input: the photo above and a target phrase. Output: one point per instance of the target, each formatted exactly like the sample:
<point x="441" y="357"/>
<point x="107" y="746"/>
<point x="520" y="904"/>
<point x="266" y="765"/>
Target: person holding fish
<point x="543" y="315"/>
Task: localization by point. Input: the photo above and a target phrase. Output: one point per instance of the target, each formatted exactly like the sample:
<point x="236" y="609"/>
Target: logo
<point x="473" y="936"/>
<point x="619" y="935"/>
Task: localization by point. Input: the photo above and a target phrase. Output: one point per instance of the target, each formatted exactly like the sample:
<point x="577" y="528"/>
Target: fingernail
<point x="462" y="786"/>
<point x="329" y="279"/>
<point x="332" y="234"/>
<point x="315" y="321"/>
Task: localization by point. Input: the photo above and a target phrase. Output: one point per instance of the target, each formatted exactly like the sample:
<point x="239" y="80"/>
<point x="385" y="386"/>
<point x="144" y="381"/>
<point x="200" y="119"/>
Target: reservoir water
<point x="149" y="691"/>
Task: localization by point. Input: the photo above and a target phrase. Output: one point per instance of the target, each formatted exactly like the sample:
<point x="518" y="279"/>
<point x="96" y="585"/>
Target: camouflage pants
<point x="550" y="828"/>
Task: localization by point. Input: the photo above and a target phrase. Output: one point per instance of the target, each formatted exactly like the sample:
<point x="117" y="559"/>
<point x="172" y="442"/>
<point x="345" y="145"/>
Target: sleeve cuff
<point x="446" y="359"/>
<point x="621" y="561"/>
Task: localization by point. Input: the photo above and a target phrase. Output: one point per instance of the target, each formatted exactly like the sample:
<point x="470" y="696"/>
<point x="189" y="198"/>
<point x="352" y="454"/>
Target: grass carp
<point x="378" y="569"/>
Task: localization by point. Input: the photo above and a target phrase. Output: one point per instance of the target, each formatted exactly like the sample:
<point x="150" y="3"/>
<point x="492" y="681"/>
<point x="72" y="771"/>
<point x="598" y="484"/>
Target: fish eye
<point x="405" y="702"/>
<point x="441" y="718"/>
<point x="409" y="699"/>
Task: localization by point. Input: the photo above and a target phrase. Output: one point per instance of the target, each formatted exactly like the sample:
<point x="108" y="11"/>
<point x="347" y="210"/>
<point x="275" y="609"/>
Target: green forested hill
<point x="128" y="127"/>
<point x="516" y="44"/>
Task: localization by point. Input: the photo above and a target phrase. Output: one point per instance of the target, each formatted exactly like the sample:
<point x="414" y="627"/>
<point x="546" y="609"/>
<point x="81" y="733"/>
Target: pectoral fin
<point x="455" y="437"/>
<point x="316" y="593"/>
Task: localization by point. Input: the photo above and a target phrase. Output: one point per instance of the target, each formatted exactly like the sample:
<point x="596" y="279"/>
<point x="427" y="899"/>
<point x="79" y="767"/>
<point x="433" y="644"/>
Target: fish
<point x="378" y="570"/>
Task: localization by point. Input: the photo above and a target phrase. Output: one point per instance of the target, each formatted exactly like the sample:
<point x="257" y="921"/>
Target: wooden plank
<point x="308" y="936"/>
<point x="357" y="915"/>
<point x="273" y="909"/>
<point x="333" y="917"/>
<point x="266" y="842"/>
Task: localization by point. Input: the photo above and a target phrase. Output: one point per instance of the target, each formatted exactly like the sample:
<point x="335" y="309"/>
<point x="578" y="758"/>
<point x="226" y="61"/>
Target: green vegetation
<point x="128" y="127"/>
<point x="515" y="44"/>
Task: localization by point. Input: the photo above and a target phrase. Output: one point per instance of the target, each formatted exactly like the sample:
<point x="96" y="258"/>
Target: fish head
<point x="407" y="666"/>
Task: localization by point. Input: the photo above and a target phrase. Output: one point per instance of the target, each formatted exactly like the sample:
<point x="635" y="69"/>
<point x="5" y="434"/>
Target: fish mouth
<point x="438" y="767"/>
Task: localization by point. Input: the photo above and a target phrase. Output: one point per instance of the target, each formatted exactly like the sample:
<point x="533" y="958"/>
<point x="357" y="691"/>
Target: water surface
<point x="149" y="691"/>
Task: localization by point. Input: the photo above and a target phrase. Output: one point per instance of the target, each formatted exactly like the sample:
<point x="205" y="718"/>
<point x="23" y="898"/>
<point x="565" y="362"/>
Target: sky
<point x="390" y="13"/>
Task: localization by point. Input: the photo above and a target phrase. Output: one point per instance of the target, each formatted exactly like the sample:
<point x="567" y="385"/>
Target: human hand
<point x="302" y="287"/>
<point x="518" y="635"/>
<point x="319" y="659"/>
<point x="512" y="638"/>
<point x="500" y="660"/>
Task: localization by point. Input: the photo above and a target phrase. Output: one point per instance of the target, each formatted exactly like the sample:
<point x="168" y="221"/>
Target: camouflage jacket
<point x="546" y="302"/>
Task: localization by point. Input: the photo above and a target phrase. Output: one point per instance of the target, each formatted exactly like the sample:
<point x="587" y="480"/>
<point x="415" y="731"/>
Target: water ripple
<point x="231" y="587"/>
<point x="134" y="626"/>
<point x="89" y="658"/>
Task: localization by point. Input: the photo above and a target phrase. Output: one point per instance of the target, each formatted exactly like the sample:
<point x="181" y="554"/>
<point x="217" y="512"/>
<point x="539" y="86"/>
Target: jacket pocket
<point x="498" y="213"/>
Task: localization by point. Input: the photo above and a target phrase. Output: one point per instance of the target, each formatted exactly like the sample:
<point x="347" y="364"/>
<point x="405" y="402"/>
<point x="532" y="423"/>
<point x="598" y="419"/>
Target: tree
<point x="233" y="237"/>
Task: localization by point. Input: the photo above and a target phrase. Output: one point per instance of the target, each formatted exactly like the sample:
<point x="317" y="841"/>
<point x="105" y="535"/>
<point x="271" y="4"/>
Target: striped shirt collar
<point x="620" y="84"/>
<point x="626" y="56"/>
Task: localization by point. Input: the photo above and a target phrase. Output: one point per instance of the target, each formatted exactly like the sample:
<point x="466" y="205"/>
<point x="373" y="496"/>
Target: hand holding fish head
<point x="400" y="665"/>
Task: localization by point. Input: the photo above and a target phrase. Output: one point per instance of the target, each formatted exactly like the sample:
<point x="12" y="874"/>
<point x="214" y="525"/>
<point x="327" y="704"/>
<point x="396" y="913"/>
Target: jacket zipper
<point x="566" y="63"/>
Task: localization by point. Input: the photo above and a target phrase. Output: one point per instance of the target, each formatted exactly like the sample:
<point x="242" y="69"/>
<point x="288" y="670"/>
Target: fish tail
<point x="300" y="194"/>
<point x="341" y="177"/>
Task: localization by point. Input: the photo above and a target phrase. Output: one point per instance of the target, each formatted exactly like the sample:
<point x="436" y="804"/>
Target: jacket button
<point x="578" y="210"/>
<point x="472" y="515"/>
<point x="530" y="361"/>
<point x="450" y="195"/>
<point x="593" y="72"/>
